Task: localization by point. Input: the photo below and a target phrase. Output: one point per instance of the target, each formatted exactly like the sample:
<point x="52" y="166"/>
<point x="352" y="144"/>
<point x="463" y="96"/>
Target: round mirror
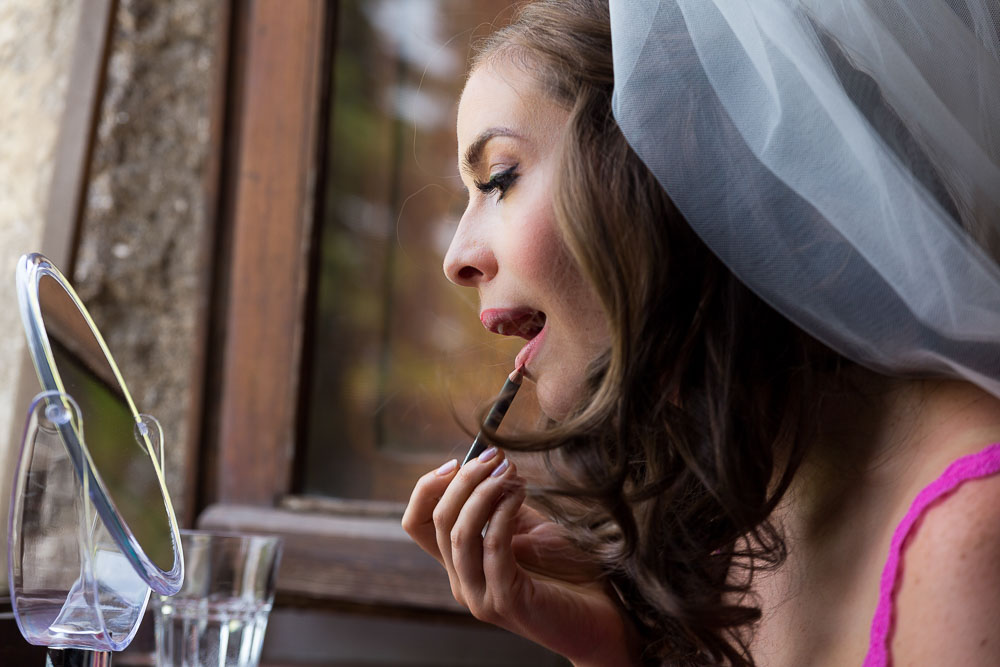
<point x="85" y="415"/>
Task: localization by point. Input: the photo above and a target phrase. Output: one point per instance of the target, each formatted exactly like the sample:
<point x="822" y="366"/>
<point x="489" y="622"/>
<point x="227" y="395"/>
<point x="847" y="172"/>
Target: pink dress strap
<point x="973" y="466"/>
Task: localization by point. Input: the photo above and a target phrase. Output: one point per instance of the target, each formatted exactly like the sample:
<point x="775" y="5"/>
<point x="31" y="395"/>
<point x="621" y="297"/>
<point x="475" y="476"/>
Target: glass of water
<point x="219" y="616"/>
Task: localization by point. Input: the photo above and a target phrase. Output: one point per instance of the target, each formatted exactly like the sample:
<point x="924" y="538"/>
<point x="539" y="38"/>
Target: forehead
<point x="506" y="96"/>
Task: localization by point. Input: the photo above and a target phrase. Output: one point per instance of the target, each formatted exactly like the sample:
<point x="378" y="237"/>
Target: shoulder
<point x="948" y="596"/>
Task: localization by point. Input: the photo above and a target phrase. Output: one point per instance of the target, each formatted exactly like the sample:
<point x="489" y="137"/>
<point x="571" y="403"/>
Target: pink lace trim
<point x="974" y="466"/>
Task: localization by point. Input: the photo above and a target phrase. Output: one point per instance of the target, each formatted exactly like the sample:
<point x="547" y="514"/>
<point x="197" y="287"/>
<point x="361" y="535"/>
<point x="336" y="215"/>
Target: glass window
<point x="397" y="358"/>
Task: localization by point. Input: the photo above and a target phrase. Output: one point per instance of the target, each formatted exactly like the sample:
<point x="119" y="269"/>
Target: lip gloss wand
<point x="497" y="412"/>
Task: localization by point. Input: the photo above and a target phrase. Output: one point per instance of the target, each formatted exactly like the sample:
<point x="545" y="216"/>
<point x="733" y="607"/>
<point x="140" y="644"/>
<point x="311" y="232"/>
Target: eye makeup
<point x="499" y="182"/>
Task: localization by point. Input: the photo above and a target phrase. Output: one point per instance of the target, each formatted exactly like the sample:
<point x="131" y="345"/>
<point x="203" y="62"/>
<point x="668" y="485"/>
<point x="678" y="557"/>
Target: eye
<point x="499" y="182"/>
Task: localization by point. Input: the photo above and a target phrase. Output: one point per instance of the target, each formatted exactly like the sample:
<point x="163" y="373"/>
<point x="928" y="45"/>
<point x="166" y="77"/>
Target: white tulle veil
<point x="842" y="157"/>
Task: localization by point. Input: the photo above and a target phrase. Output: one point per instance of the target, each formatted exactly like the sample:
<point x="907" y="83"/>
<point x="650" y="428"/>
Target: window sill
<point x="359" y="559"/>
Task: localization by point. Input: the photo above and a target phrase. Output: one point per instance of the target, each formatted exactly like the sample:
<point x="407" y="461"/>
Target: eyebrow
<point x="474" y="153"/>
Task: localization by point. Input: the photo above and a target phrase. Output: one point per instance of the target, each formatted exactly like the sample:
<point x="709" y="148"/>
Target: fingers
<point x="470" y="535"/>
<point x="418" y="517"/>
<point x="501" y="573"/>
<point x="463" y="490"/>
<point x="448" y="515"/>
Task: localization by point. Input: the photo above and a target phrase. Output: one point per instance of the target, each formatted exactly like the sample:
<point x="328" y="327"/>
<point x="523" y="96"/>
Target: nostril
<point x="469" y="273"/>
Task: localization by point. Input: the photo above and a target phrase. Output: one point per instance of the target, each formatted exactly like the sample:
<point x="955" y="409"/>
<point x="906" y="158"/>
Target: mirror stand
<point x="73" y="589"/>
<point x="91" y="528"/>
<point x="72" y="657"/>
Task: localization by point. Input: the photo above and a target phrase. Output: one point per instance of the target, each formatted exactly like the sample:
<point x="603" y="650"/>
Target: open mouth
<point x="526" y="323"/>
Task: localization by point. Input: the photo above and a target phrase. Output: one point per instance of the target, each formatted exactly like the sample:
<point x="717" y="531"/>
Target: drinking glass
<point x="219" y="617"/>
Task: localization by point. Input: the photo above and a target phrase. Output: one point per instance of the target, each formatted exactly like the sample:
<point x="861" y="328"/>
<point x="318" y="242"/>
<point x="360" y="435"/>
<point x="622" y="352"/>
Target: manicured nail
<point x="501" y="469"/>
<point x="447" y="467"/>
<point x="488" y="454"/>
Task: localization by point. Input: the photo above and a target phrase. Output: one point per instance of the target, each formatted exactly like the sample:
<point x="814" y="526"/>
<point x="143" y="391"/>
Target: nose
<point x="469" y="261"/>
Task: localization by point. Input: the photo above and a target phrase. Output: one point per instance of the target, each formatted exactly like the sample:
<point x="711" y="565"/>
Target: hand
<point x="514" y="568"/>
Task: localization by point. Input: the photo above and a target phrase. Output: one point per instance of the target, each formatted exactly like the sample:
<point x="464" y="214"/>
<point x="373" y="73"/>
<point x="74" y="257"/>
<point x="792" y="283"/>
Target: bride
<point x="750" y="247"/>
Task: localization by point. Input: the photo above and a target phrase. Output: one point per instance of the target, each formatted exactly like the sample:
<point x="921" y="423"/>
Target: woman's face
<point x="508" y="246"/>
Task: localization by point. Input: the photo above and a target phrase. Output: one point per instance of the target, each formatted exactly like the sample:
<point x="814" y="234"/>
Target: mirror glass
<point x="120" y="459"/>
<point x="118" y="447"/>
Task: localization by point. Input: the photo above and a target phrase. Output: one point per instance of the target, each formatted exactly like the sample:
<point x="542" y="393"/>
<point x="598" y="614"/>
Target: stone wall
<point x="141" y="264"/>
<point x="36" y="43"/>
<point x="141" y="260"/>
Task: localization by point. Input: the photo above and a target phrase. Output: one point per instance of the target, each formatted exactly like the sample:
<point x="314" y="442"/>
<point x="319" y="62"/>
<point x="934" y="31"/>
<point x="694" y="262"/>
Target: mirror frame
<point x="31" y="268"/>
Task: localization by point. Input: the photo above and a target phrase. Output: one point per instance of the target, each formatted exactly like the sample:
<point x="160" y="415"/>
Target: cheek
<point x="536" y="248"/>
<point x="538" y="255"/>
<point x="533" y="239"/>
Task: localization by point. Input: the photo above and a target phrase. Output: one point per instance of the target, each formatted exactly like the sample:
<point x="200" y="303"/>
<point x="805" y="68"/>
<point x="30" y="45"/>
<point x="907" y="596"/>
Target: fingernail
<point x="488" y="454"/>
<point x="501" y="469"/>
<point x="447" y="467"/>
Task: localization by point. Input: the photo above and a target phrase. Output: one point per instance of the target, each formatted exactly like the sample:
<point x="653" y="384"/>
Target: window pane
<point x="398" y="358"/>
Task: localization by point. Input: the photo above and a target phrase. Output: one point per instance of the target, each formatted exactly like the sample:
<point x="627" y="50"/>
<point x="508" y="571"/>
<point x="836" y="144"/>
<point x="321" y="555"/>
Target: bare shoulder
<point x="947" y="607"/>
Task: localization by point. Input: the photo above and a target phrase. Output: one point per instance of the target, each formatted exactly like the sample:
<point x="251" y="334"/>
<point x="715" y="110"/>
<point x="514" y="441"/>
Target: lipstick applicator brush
<point x="497" y="412"/>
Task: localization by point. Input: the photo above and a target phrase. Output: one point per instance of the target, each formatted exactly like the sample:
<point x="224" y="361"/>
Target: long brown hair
<point x="699" y="413"/>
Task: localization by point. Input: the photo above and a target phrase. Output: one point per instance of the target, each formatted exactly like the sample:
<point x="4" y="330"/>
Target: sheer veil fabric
<point x="842" y="157"/>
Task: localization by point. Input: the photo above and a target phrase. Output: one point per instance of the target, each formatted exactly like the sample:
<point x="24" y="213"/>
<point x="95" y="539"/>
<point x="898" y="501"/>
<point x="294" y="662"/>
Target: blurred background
<point x="253" y="198"/>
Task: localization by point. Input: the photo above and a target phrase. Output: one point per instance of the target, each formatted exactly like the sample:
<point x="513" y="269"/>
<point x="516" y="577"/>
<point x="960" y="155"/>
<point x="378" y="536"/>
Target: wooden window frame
<point x="336" y="552"/>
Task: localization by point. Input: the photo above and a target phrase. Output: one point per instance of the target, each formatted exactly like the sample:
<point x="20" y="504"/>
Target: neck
<point x="885" y="437"/>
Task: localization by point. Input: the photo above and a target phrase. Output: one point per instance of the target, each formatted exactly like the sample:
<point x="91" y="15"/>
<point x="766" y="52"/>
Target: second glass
<point x="219" y="617"/>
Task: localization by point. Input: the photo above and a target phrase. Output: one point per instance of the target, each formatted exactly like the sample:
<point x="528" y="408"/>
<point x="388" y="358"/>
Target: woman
<point x="724" y="487"/>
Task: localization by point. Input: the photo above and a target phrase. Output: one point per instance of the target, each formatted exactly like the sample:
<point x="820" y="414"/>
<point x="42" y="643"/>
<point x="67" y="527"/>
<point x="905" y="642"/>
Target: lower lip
<point x="528" y="351"/>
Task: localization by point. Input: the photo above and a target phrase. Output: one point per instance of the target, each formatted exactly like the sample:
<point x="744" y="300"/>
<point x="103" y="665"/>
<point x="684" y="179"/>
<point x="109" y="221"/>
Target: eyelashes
<point x="499" y="182"/>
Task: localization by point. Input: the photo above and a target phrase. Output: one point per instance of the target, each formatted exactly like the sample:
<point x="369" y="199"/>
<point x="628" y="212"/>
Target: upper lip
<point x="523" y="322"/>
